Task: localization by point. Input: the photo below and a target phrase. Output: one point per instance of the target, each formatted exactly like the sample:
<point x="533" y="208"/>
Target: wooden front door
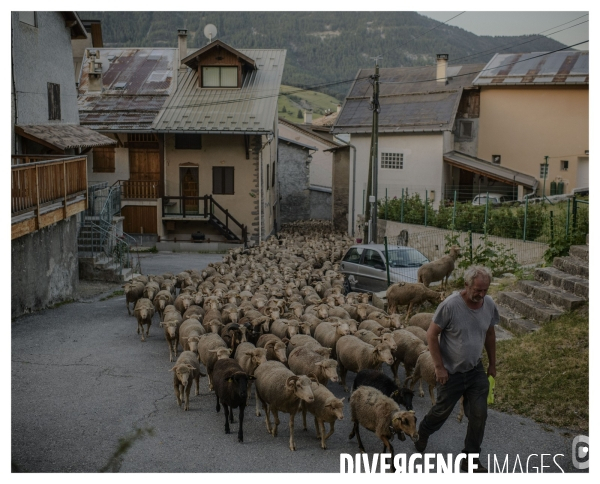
<point x="144" y="173"/>
<point x="188" y="176"/>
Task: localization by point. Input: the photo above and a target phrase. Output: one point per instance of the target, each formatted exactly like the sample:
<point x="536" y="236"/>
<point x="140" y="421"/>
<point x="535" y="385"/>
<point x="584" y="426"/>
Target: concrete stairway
<point x="555" y="290"/>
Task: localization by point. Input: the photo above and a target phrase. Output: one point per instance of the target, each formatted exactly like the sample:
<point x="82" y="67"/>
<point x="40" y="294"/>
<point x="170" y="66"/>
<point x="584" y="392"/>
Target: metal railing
<point x="105" y="242"/>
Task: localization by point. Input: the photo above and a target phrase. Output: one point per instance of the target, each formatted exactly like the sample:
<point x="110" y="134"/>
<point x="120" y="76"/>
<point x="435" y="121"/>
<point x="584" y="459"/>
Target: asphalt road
<point x="82" y="380"/>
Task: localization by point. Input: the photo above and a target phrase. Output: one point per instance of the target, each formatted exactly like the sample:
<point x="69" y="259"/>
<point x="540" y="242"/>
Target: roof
<point x="63" y="136"/>
<point x="192" y="59"/>
<point x="306" y="129"/>
<point x="536" y="68"/>
<point x="135" y="84"/>
<point x="249" y="110"/>
<point x="411" y="99"/>
<point x="74" y="23"/>
<point x="326" y="120"/>
<point x="491" y="170"/>
<point x="308" y="147"/>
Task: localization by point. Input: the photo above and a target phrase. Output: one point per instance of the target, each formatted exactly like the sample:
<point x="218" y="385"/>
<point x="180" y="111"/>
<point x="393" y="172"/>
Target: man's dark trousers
<point x="474" y="385"/>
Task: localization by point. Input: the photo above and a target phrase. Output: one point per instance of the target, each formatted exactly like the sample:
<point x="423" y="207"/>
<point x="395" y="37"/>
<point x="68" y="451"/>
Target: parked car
<point x="494" y="198"/>
<point x="365" y="269"/>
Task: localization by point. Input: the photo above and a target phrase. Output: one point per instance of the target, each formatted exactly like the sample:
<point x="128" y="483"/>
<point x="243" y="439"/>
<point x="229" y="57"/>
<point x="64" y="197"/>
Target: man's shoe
<point x="421" y="444"/>
<point x="464" y="466"/>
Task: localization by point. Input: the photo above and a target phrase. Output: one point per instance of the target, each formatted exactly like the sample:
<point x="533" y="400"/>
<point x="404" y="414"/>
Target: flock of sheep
<point x="275" y="316"/>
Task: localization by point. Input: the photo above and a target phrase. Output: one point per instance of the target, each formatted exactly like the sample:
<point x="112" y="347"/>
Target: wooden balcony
<point x="45" y="192"/>
<point x="139" y="189"/>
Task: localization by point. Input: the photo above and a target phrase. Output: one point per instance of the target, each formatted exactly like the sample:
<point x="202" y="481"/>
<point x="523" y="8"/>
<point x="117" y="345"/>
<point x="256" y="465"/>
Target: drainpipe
<point x="270" y="137"/>
<point x="353" y="178"/>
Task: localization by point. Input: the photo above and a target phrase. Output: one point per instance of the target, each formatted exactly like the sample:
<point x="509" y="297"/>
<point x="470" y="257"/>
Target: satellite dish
<point x="210" y="31"/>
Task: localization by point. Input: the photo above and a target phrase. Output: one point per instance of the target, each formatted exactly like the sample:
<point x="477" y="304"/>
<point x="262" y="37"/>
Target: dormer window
<point x="220" y="76"/>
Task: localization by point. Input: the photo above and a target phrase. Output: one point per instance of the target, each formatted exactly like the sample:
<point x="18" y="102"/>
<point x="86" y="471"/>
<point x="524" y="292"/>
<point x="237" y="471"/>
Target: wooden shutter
<point x="139" y="219"/>
<point x="228" y="175"/>
<point x="104" y="160"/>
<point x="223" y="180"/>
<point x="144" y="165"/>
<point x="217" y="180"/>
<point x="53" y="101"/>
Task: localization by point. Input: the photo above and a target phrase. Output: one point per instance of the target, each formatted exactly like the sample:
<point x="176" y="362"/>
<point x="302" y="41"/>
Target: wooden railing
<point x="37" y="185"/>
<point x="139" y="189"/>
<point x="22" y="159"/>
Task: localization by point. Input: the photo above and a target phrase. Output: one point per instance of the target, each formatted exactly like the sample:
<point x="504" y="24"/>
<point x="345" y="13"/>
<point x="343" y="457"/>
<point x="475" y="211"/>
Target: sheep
<point x="230" y="384"/>
<point x="381" y="415"/>
<point x="171" y="326"/>
<point x="183" y="301"/>
<point x="189" y="334"/>
<point x="409" y="347"/>
<point x="410" y="294"/>
<point x="303" y="361"/>
<point x="418" y="332"/>
<point x="144" y="310"/>
<point x="233" y="335"/>
<point x="327" y="334"/>
<point x="186" y="370"/>
<point x="372" y="326"/>
<point x="325" y="408"/>
<point x="425" y="370"/>
<point x="249" y="358"/>
<point x="194" y="311"/>
<point x="440" y="269"/>
<point x="134" y="290"/>
<point x="279" y="390"/>
<point x="161" y="301"/>
<point x="211" y="348"/>
<point x="151" y="289"/>
<point x="299" y="340"/>
<point x="355" y="355"/>
<point x="383" y="383"/>
<point x="371" y="338"/>
<point x="386" y="320"/>
<point x="421" y="320"/>
<point x="284" y="328"/>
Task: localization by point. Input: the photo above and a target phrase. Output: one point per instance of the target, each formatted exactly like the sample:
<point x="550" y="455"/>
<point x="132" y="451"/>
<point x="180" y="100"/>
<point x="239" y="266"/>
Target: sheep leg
<point x="322" y="430"/>
<point x="410" y="306"/>
<point x="170" y="350"/>
<point x="218" y="404"/>
<point x="360" y="444"/>
<point x="176" y="388"/>
<point x="276" y="420"/>
<point x="241" y="429"/>
<point x="395" y="366"/>
<point x="421" y="392"/>
<point x="292" y="443"/>
<point x="267" y="415"/>
<point x="140" y="326"/>
<point x="387" y="445"/>
<point x="226" y="412"/>
<point x="343" y="371"/>
<point x="431" y="395"/>
<point x="303" y="406"/>
<point x="317" y="428"/>
<point x="331" y="428"/>
<point x="231" y="414"/>
<point x="188" y="387"/>
<point x="461" y="412"/>
<point x="257" y="407"/>
<point x="148" y="328"/>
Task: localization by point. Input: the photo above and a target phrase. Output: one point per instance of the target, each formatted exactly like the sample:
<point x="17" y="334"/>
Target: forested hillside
<point x="323" y="48"/>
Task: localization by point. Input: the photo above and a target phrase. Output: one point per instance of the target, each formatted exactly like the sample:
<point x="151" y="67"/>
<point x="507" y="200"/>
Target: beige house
<point x="534" y="106"/>
<point x="197" y="137"/>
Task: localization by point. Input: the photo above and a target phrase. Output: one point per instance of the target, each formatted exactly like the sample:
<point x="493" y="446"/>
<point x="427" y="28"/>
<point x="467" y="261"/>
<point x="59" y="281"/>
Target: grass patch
<point x="212" y="252"/>
<point x="151" y="250"/>
<point x="62" y="303"/>
<point x="120" y="292"/>
<point x="317" y="101"/>
<point x="545" y="375"/>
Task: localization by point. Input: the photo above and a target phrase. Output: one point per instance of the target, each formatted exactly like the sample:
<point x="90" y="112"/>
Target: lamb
<point x="189" y="334"/>
<point x="327" y="334"/>
<point x="410" y="294"/>
<point x="304" y="361"/>
<point x="231" y="383"/>
<point x="409" y="347"/>
<point x="381" y="415"/>
<point x="440" y="269"/>
<point x="144" y="310"/>
<point x="161" y="301"/>
<point x="383" y="383"/>
<point x="186" y="370"/>
<point x="211" y="348"/>
<point x="134" y="290"/>
<point x="425" y="369"/>
<point x="421" y="320"/>
<point x="355" y="355"/>
<point x="279" y="390"/>
<point x="325" y="408"/>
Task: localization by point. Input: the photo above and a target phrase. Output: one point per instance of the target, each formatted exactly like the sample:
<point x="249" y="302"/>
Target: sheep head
<point x="301" y="386"/>
<point x="405" y="423"/>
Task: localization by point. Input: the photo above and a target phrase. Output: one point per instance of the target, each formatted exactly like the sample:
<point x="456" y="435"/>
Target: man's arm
<point x="441" y="374"/>
<point x="490" y="349"/>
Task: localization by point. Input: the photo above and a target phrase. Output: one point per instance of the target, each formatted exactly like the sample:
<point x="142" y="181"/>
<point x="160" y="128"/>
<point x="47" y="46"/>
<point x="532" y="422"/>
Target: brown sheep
<point x="409" y="347"/>
<point x="161" y="301"/>
<point x="371" y="338"/>
<point x="327" y="334"/>
<point x="211" y="348"/>
<point x="418" y="332"/>
<point x="134" y="290"/>
<point x="325" y="408"/>
<point x="189" y="334"/>
<point x="425" y="370"/>
<point x="440" y="269"/>
<point x="355" y="355"/>
<point x="303" y="361"/>
<point x="421" y="320"/>
<point x="410" y="294"/>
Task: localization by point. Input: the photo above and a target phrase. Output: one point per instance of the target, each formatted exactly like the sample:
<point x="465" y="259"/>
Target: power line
<point x="430" y="30"/>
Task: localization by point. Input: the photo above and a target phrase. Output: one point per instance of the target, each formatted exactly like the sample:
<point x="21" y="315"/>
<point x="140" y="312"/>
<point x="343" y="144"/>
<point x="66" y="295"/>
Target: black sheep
<point x="230" y="385"/>
<point x="376" y="379"/>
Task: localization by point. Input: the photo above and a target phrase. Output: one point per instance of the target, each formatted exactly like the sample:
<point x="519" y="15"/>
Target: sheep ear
<point x="228" y="380"/>
<point x="174" y="368"/>
<point x="319" y="363"/>
<point x="213" y="351"/>
<point x="191" y="367"/>
<point x="313" y="377"/>
<point x="285" y="341"/>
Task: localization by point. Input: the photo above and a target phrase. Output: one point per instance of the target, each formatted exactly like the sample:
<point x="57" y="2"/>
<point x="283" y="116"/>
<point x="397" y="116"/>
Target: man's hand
<point x="441" y="375"/>
<point x="492" y="370"/>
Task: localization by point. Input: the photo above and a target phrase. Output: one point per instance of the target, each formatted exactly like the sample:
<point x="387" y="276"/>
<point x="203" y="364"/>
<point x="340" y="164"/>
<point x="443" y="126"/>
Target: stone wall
<point x="44" y="267"/>
<point x="293" y="176"/>
<point x="340" y="189"/>
<point x="320" y="204"/>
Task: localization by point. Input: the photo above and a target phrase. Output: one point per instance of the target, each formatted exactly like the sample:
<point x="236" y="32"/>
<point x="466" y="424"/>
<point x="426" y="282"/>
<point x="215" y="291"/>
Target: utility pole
<point x="372" y="183"/>
<point x="545" y="176"/>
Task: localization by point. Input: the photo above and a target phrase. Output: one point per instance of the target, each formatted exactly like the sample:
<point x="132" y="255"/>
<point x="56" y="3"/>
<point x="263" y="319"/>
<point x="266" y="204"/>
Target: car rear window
<point x="353" y="255"/>
<point x="406" y="258"/>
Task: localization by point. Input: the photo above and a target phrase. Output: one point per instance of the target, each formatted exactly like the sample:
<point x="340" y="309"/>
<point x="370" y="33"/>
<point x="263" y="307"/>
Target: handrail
<point x="226" y="212"/>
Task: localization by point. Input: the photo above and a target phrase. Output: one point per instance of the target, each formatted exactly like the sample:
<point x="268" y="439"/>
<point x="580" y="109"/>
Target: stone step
<point x="567" y="282"/>
<point x="572" y="265"/>
<point x="580" y="251"/>
<point x="514" y="322"/>
<point x="550" y="295"/>
<point x="529" y="308"/>
<point x="502" y="334"/>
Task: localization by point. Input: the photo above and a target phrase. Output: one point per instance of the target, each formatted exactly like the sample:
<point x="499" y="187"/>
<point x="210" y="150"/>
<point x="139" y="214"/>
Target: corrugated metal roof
<point x="250" y="109"/>
<point x="564" y="67"/>
<point x="491" y="170"/>
<point x="308" y="147"/>
<point x="411" y="99"/>
<point x="63" y="136"/>
<point x="135" y="84"/>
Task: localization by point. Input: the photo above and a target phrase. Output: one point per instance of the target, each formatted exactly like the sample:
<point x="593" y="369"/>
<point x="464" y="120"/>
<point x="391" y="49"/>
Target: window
<point x="564" y="165"/>
<point x="268" y="177"/>
<point x="222" y="180"/>
<point x="188" y="142"/>
<point x="219" y="77"/>
<point x="104" y="160"/>
<point x="353" y="255"/>
<point x="273" y="176"/>
<point x="373" y="259"/>
<point x="543" y="170"/>
<point x="53" y="101"/>
<point x="465" y="129"/>
<point x="392" y="160"/>
<point x="29" y="18"/>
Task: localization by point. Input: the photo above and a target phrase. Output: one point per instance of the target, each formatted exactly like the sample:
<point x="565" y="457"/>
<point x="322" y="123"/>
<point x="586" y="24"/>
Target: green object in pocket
<point x="490" y="398"/>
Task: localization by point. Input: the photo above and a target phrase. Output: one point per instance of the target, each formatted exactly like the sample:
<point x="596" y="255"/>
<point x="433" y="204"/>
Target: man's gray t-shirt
<point x="463" y="331"/>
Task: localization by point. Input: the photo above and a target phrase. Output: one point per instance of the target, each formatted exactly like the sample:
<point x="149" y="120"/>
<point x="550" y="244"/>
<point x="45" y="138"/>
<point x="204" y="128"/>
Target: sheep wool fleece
<point x="463" y="331"/>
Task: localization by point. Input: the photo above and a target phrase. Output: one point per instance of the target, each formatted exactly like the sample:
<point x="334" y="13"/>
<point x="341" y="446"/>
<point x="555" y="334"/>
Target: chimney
<point x="95" y="71"/>
<point x="308" y="116"/>
<point x="182" y="44"/>
<point x="442" y="63"/>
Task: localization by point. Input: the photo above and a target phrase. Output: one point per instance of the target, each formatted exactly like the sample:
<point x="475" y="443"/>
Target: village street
<point x="82" y="380"/>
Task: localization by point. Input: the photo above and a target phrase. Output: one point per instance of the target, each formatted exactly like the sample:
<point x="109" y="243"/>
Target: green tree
<point x="299" y="114"/>
<point x="284" y="110"/>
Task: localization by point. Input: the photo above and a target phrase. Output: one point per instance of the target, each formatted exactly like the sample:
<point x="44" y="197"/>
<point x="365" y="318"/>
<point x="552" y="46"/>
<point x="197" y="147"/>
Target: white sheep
<point x="186" y="370"/>
<point x="304" y="361"/>
<point x="410" y="294"/>
<point x="211" y="348"/>
<point x="325" y="408"/>
<point x="421" y="320"/>
<point x="144" y="310"/>
<point x="327" y="334"/>
<point x="425" y="370"/>
<point x="440" y="269"/>
<point x="355" y="355"/>
<point x="408" y="349"/>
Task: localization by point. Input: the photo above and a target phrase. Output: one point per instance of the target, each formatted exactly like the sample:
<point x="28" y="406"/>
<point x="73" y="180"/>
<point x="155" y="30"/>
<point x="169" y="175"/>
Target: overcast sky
<point x="521" y="23"/>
